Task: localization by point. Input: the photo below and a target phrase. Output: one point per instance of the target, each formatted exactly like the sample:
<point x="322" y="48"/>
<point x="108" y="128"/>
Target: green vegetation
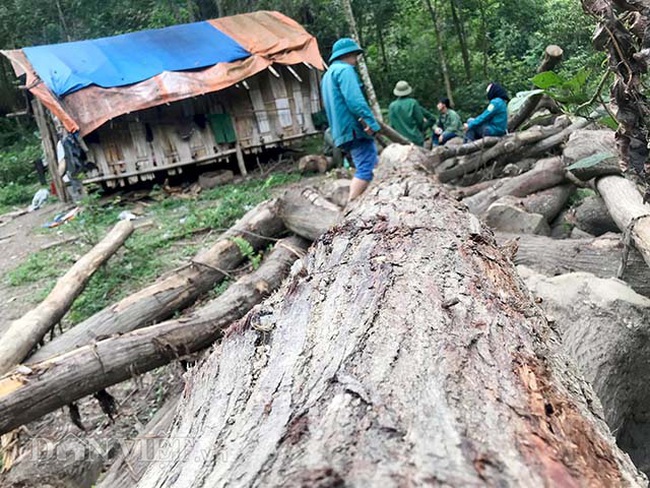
<point x="151" y="251"/>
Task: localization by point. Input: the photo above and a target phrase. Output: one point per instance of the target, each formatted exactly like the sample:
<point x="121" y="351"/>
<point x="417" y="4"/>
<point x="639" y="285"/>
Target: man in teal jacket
<point x="494" y="120"/>
<point x="350" y="118"/>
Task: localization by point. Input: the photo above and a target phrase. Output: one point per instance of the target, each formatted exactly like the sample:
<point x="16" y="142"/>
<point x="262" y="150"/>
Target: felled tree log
<point x="585" y="144"/>
<point x="442" y="153"/>
<point x="313" y="163"/>
<point x="307" y="213"/>
<point x="131" y="465"/>
<point x="552" y="57"/>
<point x="408" y="354"/>
<point x="546" y="174"/>
<point x="511" y="144"/>
<point x="25" y="333"/>
<point x="625" y="205"/>
<point x="60" y="380"/>
<point x="175" y="290"/>
<point x="394" y="136"/>
<point x="337" y="191"/>
<point x="600" y="256"/>
<point x="550" y="202"/>
<point x="593" y="217"/>
<point x="525" y="111"/>
<point x="543" y="146"/>
<point x="604" y="326"/>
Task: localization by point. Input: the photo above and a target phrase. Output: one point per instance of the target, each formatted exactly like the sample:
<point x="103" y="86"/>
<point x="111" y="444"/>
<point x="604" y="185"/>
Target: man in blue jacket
<point x="494" y="120"/>
<point x="350" y="118"/>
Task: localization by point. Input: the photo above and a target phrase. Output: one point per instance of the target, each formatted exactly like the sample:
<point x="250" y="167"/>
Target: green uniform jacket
<point x="409" y="119"/>
<point x="450" y="122"/>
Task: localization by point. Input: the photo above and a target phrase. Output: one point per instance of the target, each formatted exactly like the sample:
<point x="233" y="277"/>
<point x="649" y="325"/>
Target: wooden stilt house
<point x="156" y="101"/>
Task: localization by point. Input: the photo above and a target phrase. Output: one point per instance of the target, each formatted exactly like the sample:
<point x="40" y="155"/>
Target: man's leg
<point x="364" y="155"/>
<point x="447" y="136"/>
<point x="357" y="187"/>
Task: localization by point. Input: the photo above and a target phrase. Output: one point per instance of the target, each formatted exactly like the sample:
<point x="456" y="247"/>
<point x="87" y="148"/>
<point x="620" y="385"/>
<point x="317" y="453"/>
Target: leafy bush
<point x="16" y="161"/>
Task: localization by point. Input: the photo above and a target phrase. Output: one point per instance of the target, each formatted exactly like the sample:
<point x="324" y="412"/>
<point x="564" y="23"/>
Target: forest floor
<point x="173" y="224"/>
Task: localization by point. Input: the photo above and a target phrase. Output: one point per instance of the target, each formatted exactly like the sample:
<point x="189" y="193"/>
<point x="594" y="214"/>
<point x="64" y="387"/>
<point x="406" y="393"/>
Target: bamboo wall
<point x="269" y="109"/>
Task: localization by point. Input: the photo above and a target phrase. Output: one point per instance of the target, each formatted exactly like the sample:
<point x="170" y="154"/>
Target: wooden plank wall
<point x="267" y="111"/>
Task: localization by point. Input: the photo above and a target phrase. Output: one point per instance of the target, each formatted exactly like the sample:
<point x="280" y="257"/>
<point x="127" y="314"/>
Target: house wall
<point x="269" y="109"/>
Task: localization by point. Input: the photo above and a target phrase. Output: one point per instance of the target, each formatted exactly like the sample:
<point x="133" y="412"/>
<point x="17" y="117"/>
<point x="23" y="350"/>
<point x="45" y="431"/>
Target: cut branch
<point x="177" y="289"/>
<point x="61" y="380"/>
<point x="25" y="333"/>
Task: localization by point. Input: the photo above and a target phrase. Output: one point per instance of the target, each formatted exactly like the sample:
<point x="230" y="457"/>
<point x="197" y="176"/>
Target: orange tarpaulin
<point x="269" y="36"/>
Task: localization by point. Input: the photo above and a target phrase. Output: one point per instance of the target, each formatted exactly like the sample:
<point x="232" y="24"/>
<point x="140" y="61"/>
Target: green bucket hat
<point x="344" y="46"/>
<point x="402" y="89"/>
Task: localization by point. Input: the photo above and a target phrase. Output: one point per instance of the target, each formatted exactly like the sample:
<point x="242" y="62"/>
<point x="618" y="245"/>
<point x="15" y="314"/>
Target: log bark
<point x="175" y="290"/>
<point x="592" y="216"/>
<point x="130" y="466"/>
<point x="600" y="256"/>
<point x="550" y="202"/>
<point x="409" y="354"/>
<point x="60" y="380"/>
<point x="25" y="333"/>
<point x="604" y="326"/>
<point x="512" y="144"/>
<point x="542" y="147"/>
<point x="523" y="114"/>
<point x="546" y="174"/>
<point x="313" y="163"/>
<point x="307" y="213"/>
<point x="392" y="134"/>
<point x="442" y="153"/>
<point x="552" y="57"/>
<point x="625" y="205"/>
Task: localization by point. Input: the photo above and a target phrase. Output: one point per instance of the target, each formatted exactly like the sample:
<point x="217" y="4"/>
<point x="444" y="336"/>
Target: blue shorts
<point x="364" y="156"/>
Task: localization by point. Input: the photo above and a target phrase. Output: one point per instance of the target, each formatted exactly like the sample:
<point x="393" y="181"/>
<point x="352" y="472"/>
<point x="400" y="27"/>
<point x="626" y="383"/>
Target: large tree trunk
<point x="175" y="290"/>
<point x="546" y="174"/>
<point x="600" y="256"/>
<point x="406" y="353"/>
<point x="625" y="205"/>
<point x="60" y="380"/>
<point x="363" y="68"/>
<point x="26" y="332"/>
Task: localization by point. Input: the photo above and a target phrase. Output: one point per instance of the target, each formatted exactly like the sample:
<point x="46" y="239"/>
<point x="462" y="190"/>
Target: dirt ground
<point x="39" y="462"/>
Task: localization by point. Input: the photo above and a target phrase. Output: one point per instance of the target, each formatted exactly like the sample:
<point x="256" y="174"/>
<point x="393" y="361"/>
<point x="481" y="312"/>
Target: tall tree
<point x="460" y="32"/>
<point x="363" y="68"/>
<point x="441" y="51"/>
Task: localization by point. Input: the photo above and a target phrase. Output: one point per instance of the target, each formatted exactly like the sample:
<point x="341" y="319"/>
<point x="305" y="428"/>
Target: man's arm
<point x="454" y="123"/>
<point x="354" y="99"/>
<point x="429" y="118"/>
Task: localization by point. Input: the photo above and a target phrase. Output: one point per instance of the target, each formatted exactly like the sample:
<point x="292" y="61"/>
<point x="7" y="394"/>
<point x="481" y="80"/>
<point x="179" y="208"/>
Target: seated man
<point x="494" y="120"/>
<point x="449" y="124"/>
<point x="407" y="116"/>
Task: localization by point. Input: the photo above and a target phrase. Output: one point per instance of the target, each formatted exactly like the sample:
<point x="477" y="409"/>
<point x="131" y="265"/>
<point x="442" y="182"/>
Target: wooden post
<point x="240" y="159"/>
<point x="49" y="147"/>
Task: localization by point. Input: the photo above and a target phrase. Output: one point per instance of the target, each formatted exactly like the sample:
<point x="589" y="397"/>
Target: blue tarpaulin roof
<point x="132" y="58"/>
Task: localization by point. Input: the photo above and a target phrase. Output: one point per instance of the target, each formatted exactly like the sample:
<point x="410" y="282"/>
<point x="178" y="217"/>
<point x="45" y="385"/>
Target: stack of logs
<point x="401" y="350"/>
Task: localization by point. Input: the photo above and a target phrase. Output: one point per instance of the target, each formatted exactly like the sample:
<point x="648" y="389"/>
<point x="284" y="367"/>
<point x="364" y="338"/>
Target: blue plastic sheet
<point x="131" y="58"/>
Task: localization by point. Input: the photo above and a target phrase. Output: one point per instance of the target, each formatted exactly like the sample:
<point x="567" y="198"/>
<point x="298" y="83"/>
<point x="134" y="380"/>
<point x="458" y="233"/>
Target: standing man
<point x="349" y="115"/>
<point x="407" y="116"/>
<point x="449" y="124"/>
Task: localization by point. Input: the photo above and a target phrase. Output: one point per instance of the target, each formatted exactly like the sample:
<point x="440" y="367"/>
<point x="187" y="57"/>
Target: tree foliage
<point x="483" y="40"/>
